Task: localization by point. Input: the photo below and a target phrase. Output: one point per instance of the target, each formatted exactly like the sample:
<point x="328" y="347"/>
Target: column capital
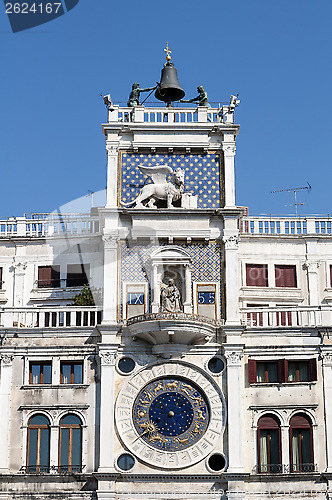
<point x="19" y="267"/>
<point x="112" y="149"/>
<point x="6" y="359"/>
<point x="234" y="357"/>
<point x="229" y="148"/>
<point x="108" y="358"/>
<point x="311" y="266"/>
<point x="110" y="241"/>
<point x="326" y="358"/>
<point x="231" y="242"/>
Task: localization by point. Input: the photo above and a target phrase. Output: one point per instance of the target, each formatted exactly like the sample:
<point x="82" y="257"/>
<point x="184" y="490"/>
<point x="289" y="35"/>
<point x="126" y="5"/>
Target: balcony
<point x="287" y="316"/>
<point x="285" y="226"/>
<point x="50" y="317"/>
<point x="172" y="328"/>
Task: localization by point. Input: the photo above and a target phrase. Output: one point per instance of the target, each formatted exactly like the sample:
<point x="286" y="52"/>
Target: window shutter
<point x="256" y="275"/>
<point x="300" y="421"/>
<point x="252" y="371"/>
<point x="312" y="370"/>
<point x="330" y="276"/>
<point x="285" y="276"/>
<point x="44" y="276"/>
<point x="281" y="370"/>
<point x="0" y="278"/>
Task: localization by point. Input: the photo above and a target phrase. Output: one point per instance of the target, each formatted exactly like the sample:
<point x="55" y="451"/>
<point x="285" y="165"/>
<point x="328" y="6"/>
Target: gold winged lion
<point x="160" y="189"/>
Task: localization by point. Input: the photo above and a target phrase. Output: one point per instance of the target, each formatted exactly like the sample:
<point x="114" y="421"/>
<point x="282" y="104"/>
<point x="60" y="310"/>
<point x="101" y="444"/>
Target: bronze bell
<point x="169" y="88"/>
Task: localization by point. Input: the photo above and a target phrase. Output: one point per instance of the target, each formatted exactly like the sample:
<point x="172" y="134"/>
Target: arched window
<point x="269" y="444"/>
<point x="301" y="444"/>
<point x="70" y="444"/>
<point x="38" y="452"/>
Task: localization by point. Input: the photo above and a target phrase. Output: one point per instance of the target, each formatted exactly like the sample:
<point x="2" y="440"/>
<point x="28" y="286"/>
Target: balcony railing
<point x="49" y="225"/>
<point x="52" y="469"/>
<point x="52" y="317"/>
<point x="287" y="316"/>
<point x="283" y="469"/>
<point x="167" y="316"/>
<point x="289" y="226"/>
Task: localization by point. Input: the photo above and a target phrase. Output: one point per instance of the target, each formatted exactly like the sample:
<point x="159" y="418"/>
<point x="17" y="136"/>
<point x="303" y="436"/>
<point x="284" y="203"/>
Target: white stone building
<point x="204" y="370"/>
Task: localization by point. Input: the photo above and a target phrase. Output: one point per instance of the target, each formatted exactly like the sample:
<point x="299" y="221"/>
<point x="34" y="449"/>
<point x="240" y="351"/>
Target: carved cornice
<point x="231" y="242"/>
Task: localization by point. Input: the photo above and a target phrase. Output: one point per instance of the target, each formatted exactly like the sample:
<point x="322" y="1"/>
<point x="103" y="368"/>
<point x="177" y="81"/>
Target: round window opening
<point x="125" y="461"/>
<point x="126" y="365"/>
<point x="216" y="462"/>
<point x="216" y="365"/>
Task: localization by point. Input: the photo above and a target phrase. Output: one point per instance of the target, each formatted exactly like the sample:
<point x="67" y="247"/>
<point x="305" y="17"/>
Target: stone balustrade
<point x="284" y="226"/>
<point x="49" y="225"/>
<point x="50" y="317"/>
<point x="163" y="115"/>
<point x="287" y="316"/>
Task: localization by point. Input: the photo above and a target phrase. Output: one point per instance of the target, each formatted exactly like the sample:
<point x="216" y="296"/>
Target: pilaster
<point x="229" y="149"/>
<point x="5" y="393"/>
<point x="231" y="242"/>
<point x="312" y="274"/>
<point x="327" y="381"/>
<point x="110" y="278"/>
<point x="235" y="385"/>
<point x="107" y="355"/>
<point x="112" y="174"/>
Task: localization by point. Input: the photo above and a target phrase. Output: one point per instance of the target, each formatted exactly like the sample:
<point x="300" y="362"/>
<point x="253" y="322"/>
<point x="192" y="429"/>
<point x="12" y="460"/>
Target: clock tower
<point x="169" y="349"/>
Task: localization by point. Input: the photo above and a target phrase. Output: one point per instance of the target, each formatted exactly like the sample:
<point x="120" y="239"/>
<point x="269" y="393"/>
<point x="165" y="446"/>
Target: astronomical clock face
<point x="171" y="419"/>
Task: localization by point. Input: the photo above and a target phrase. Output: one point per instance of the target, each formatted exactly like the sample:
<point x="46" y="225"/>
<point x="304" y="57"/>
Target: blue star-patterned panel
<point x="203" y="175"/>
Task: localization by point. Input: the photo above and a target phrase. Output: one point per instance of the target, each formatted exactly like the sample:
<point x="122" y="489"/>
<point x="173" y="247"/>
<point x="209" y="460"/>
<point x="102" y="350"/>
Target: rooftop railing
<point x="49" y="226"/>
<point x="163" y="115"/>
<point x="284" y="226"/>
<point x="287" y="316"/>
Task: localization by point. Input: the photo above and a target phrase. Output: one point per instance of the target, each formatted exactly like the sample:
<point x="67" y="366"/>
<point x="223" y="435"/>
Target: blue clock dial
<point x="171" y="414"/>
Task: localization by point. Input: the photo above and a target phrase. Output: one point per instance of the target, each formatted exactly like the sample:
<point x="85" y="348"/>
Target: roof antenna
<point x="293" y="190"/>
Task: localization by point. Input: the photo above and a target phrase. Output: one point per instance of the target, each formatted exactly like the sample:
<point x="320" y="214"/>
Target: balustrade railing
<point x="168" y="316"/>
<point x="51" y="317"/>
<point x="158" y="115"/>
<point x="287" y="316"/>
<point x="283" y="469"/>
<point x="53" y="225"/>
<point x="285" y="225"/>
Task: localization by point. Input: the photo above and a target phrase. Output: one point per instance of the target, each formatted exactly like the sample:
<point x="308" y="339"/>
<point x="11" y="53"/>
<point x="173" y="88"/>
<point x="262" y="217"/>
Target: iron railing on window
<point x="284" y="469"/>
<point x="52" y="469"/>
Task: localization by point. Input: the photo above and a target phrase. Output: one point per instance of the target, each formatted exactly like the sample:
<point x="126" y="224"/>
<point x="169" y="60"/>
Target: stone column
<point x="187" y="303"/>
<point x="284" y="429"/>
<point x="110" y="278"/>
<point x="235" y="386"/>
<point x="229" y="148"/>
<point x="112" y="174"/>
<point x="5" y="389"/>
<point x="231" y="241"/>
<point x="312" y="273"/>
<point x="327" y="384"/>
<point x="155" y="290"/>
<point x="107" y="355"/>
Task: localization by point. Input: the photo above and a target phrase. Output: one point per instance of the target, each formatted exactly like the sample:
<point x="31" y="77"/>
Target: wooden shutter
<point x="252" y="371"/>
<point x="300" y="421"/>
<point x="331" y="276"/>
<point x="0" y="278"/>
<point x="312" y="370"/>
<point x="268" y="422"/>
<point x="44" y="276"/>
<point x="256" y="275"/>
<point x="282" y="370"/>
<point x="285" y="276"/>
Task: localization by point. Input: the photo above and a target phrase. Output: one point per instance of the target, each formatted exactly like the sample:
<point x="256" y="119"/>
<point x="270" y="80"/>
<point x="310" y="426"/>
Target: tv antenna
<point x="293" y="190"/>
<point x="90" y="193"/>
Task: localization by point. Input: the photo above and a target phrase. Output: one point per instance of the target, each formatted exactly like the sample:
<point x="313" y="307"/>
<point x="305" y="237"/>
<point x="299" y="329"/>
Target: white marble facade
<point x="248" y="350"/>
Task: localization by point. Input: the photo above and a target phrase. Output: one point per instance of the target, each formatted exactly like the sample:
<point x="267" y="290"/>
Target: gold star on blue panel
<point x="200" y="170"/>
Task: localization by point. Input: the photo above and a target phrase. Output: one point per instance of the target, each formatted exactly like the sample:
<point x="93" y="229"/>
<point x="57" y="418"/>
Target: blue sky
<point x="276" y="54"/>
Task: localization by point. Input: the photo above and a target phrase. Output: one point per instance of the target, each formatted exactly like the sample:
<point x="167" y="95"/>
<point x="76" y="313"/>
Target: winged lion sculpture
<point x="161" y="189"/>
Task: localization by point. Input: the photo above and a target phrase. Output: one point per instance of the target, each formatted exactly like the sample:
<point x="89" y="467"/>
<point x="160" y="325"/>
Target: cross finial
<point x="168" y="52"/>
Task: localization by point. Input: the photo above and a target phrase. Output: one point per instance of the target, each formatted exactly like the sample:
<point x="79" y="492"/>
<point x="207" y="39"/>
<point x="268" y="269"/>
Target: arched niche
<point x="171" y="262"/>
